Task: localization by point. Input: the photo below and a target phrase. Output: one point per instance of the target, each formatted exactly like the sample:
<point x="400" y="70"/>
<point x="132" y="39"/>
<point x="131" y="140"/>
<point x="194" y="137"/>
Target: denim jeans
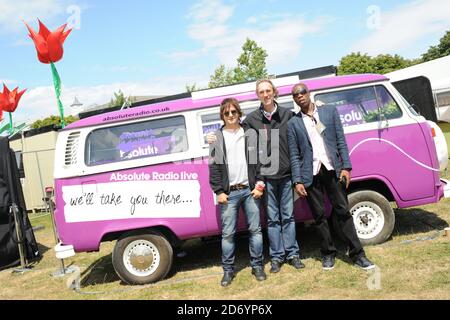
<point x="229" y="216"/>
<point x="280" y="220"/>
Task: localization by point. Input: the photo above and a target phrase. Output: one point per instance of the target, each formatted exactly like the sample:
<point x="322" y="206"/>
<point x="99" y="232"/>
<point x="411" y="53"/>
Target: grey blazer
<point x="300" y="148"/>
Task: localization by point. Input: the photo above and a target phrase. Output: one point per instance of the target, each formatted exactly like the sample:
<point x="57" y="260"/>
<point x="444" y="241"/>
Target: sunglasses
<point x="230" y="113"/>
<point x="299" y="91"/>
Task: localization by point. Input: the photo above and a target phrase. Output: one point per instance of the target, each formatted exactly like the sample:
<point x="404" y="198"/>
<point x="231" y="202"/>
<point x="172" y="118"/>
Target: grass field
<point x="413" y="264"/>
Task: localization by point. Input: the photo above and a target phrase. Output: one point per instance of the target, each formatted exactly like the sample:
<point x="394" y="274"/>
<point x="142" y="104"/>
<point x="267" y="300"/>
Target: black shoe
<point x="275" y="266"/>
<point x="296" y="263"/>
<point x="228" y="276"/>
<point x="259" y="273"/>
<point x="328" y="262"/>
<point x="364" y="263"/>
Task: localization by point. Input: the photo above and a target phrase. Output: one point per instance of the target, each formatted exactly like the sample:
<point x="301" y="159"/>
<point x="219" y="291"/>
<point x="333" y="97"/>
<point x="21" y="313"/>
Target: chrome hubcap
<point x="368" y="218"/>
<point x="141" y="258"/>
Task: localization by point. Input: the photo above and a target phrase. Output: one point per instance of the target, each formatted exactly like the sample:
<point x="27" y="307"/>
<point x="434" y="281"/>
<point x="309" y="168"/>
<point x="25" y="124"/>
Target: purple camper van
<point x="140" y="175"/>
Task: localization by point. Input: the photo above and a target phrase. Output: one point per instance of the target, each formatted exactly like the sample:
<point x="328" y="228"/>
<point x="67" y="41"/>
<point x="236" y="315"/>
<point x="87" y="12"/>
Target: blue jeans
<point x="229" y="216"/>
<point x="280" y="220"/>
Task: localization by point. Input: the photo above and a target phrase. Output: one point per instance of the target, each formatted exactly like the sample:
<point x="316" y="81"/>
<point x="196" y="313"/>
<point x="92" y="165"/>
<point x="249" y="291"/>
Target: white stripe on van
<point x="396" y="147"/>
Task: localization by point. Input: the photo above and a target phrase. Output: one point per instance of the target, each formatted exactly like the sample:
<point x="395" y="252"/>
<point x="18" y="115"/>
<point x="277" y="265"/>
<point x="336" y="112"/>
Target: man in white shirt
<point x="320" y="162"/>
<point x="237" y="183"/>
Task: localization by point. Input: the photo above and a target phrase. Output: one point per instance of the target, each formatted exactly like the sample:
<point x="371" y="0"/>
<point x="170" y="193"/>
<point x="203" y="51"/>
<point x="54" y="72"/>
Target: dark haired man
<point x="320" y="162"/>
<point x="236" y="182"/>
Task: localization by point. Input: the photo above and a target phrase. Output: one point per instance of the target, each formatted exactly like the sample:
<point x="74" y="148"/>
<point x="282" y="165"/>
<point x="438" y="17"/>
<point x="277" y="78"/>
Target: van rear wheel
<point x="373" y="216"/>
<point x="143" y="257"/>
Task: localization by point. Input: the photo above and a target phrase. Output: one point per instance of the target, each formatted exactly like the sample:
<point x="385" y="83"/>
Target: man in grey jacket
<point x="320" y="162"/>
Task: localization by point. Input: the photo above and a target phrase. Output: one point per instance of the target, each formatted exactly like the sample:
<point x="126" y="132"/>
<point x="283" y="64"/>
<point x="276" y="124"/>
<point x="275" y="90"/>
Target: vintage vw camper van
<point x="140" y="175"/>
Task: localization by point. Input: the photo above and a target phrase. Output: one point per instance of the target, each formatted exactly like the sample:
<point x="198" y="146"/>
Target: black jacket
<point x="11" y="194"/>
<point x="218" y="168"/>
<point x="257" y="121"/>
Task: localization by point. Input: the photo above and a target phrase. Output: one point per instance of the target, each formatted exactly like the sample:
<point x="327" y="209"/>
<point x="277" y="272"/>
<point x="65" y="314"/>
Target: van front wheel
<point x="373" y="216"/>
<point x="141" y="258"/>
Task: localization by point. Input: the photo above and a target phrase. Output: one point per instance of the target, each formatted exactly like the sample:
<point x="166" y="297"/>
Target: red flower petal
<point x="49" y="45"/>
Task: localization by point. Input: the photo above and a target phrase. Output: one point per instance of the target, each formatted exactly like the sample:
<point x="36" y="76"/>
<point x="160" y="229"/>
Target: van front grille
<point x="71" y="148"/>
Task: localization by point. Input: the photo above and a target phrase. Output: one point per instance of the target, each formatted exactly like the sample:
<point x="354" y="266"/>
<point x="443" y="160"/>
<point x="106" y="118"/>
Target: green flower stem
<point x="57" y="84"/>
<point x="11" y="128"/>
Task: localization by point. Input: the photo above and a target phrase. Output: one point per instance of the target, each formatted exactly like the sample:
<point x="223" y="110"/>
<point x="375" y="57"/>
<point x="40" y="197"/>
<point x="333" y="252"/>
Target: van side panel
<point x="161" y="195"/>
<point x="393" y="153"/>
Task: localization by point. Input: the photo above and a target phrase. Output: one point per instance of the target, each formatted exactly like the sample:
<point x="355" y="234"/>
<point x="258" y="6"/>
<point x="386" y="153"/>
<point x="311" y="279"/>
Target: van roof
<point x="190" y="103"/>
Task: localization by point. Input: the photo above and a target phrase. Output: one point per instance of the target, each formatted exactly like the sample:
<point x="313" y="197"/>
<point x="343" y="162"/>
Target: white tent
<point x="438" y="72"/>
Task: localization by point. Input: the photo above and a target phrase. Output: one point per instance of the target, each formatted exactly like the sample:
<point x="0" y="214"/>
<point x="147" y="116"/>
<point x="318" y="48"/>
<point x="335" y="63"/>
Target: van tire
<point x="142" y="257"/>
<point x="373" y="216"/>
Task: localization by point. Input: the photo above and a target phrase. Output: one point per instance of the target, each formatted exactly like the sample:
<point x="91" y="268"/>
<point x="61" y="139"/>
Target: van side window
<point x="210" y="123"/>
<point x="443" y="99"/>
<point x="136" y="140"/>
<point x="361" y="105"/>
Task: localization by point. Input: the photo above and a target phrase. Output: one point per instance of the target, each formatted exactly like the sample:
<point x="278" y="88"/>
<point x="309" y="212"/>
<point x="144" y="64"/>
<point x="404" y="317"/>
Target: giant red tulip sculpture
<point x="9" y="100"/>
<point x="49" y="47"/>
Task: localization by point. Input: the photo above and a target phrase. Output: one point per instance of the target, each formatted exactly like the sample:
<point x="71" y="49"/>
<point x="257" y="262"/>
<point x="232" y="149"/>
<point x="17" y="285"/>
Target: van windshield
<point x="136" y="140"/>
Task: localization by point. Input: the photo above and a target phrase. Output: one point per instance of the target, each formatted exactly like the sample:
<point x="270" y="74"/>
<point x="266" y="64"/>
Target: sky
<point x="152" y="47"/>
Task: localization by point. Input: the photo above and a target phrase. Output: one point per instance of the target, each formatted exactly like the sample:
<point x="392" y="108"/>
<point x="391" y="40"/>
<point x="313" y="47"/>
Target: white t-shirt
<point x="237" y="163"/>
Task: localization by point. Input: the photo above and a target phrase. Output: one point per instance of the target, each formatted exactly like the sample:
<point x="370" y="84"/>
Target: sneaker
<point x="364" y="263"/>
<point x="328" y="262"/>
<point x="296" y="263"/>
<point x="275" y="266"/>
<point x="228" y="276"/>
<point x="259" y="273"/>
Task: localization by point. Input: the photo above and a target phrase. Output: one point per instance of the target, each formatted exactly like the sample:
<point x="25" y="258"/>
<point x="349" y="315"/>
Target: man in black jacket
<point x="270" y="122"/>
<point x="234" y="178"/>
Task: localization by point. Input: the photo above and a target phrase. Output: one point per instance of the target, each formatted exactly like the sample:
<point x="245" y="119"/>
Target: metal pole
<point x="61" y="272"/>
<point x="40" y="173"/>
<point x="23" y="262"/>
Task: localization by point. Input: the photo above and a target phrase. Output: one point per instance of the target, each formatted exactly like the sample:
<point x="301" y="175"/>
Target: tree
<point x="363" y="63"/>
<point x="192" y="87"/>
<point x="251" y="63"/>
<point x="355" y="63"/>
<point x="439" y="51"/>
<point x="385" y="63"/>
<point x="119" y="99"/>
<point x="53" y="120"/>
<point x="251" y="66"/>
<point x="221" y="77"/>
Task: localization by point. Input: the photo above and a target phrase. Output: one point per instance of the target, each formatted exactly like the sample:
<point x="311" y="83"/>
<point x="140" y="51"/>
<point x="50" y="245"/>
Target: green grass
<point x="413" y="264"/>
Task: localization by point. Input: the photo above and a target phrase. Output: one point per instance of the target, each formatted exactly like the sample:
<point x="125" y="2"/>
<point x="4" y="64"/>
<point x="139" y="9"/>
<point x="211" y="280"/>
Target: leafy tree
<point x="439" y="51"/>
<point x="251" y="66"/>
<point x="251" y="63"/>
<point x="355" y="63"/>
<point x="53" y="120"/>
<point x="363" y="63"/>
<point x="221" y="77"/>
<point x="385" y="63"/>
<point x="190" y="88"/>
<point x="119" y="99"/>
